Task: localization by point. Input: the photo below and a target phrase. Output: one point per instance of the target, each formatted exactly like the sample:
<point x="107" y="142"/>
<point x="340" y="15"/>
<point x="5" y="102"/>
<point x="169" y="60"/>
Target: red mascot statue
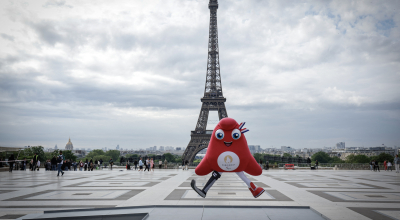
<point x="228" y="152"/>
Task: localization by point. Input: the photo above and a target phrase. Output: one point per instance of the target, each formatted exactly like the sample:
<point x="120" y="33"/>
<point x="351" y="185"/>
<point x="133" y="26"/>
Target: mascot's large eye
<point x="219" y="134"/>
<point x="236" y="134"/>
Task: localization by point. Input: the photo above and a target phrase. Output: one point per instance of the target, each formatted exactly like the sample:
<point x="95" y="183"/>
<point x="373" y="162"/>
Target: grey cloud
<point x="7" y="37"/>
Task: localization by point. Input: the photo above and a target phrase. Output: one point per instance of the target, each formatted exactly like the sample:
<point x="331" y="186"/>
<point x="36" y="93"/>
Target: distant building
<point x="117" y="147"/>
<point x="178" y="148"/>
<point x="69" y="145"/>
<point x="161" y="148"/>
<point x="55" y="147"/>
<point x="341" y="145"/>
<point x="286" y="148"/>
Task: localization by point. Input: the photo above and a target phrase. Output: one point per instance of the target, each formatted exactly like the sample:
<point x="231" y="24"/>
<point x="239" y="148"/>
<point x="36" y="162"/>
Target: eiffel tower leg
<point x="222" y="113"/>
<point x="202" y="192"/>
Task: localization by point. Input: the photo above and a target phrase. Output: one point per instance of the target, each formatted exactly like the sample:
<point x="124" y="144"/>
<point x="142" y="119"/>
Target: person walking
<point x="396" y="162"/>
<point x="111" y="162"/>
<point x="385" y="165"/>
<point x="371" y="165"/>
<point x="38" y="165"/>
<point x="152" y="164"/>
<point x="165" y="164"/>
<point x="316" y="164"/>
<point x="80" y="165"/>
<point x="11" y="161"/>
<point x="186" y="165"/>
<point x="135" y="163"/>
<point x="140" y="164"/>
<point x="91" y="165"/>
<point x="101" y="162"/>
<point x="75" y="165"/>
<point x="159" y="164"/>
<point x="377" y="166"/>
<point x="147" y="165"/>
<point x="85" y="165"/>
<point x="309" y="162"/>
<point x="267" y="165"/>
<point x="24" y="164"/>
<point x="60" y="161"/>
<point x="35" y="160"/>
<point x="389" y="165"/>
<point x="183" y="165"/>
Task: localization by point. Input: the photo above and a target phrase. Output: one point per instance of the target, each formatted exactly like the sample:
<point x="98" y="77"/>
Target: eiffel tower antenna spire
<point x="213" y="99"/>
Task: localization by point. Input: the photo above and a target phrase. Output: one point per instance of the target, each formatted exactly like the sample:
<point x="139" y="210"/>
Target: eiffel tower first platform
<point x="213" y="99"/>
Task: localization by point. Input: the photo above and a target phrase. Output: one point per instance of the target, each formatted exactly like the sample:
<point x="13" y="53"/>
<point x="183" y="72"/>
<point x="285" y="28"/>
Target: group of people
<point x="374" y="165"/>
<point x="147" y="164"/>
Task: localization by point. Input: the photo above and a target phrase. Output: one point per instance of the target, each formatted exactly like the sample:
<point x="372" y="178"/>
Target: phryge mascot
<point x="228" y="152"/>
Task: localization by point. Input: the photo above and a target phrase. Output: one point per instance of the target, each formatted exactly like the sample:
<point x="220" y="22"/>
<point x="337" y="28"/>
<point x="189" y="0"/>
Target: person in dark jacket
<point x="111" y="162"/>
<point x="35" y="160"/>
<point x="53" y="163"/>
<point x="135" y="163"/>
<point x="11" y="162"/>
<point x="377" y="166"/>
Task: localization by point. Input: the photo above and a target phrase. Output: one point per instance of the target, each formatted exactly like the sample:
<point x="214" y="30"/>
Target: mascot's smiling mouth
<point x="228" y="144"/>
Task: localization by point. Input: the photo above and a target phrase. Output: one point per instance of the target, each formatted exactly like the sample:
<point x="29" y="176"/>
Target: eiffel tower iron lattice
<point x="213" y="99"/>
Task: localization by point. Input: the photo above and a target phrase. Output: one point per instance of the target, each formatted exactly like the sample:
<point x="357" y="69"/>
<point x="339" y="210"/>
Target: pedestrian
<point x="186" y="164"/>
<point x="309" y="162"/>
<point x="147" y="164"/>
<point x="140" y="164"/>
<point x="183" y="165"/>
<point x="24" y="164"/>
<point x="316" y="164"/>
<point x="53" y="163"/>
<point x="111" y="162"/>
<point x="11" y="161"/>
<point x="75" y="165"/>
<point x="371" y="165"/>
<point x="80" y="165"/>
<point x="152" y="164"/>
<point x="389" y="166"/>
<point x="135" y="163"/>
<point x="159" y="164"/>
<point x="261" y="163"/>
<point x="396" y="162"/>
<point x="35" y="160"/>
<point x="60" y="162"/>
<point x="377" y="166"/>
<point x="85" y="165"/>
<point x="38" y="165"/>
<point x="31" y="165"/>
<point x="165" y="164"/>
<point x="91" y="165"/>
<point x="385" y="165"/>
<point x="267" y="165"/>
<point x="101" y="162"/>
<point x="98" y="164"/>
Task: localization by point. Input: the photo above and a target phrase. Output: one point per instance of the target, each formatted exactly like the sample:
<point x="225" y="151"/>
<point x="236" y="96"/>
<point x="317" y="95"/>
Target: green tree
<point x="258" y="156"/>
<point x="95" y="152"/>
<point x="321" y="156"/>
<point x="336" y="160"/>
<point x="114" y="154"/>
<point x="382" y="157"/>
<point x="169" y="157"/>
<point x="287" y="155"/>
<point x="29" y="152"/>
<point x="69" y="155"/>
<point x="357" y="159"/>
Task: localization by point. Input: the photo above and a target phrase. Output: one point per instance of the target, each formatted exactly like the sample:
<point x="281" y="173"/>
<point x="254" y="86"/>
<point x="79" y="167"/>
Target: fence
<point x="340" y="166"/>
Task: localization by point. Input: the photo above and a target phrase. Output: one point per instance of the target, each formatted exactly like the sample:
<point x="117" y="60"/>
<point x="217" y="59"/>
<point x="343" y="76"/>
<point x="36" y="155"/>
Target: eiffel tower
<point x="213" y="99"/>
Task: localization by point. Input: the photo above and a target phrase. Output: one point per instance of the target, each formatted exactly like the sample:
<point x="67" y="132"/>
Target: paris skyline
<point x="132" y="73"/>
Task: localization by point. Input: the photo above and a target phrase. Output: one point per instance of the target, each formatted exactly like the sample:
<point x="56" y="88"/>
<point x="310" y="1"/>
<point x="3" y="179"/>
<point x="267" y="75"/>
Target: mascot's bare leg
<point x="202" y="192"/>
<point x="256" y="191"/>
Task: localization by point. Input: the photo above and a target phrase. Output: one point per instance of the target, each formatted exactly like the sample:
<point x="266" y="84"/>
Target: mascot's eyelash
<point x="244" y="130"/>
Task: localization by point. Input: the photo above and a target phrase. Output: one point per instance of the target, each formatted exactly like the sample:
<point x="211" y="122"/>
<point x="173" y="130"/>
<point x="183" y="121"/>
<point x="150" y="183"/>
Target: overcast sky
<point x="301" y="74"/>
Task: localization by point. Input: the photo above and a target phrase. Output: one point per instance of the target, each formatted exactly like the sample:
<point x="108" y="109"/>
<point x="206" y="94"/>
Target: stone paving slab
<point x="334" y="194"/>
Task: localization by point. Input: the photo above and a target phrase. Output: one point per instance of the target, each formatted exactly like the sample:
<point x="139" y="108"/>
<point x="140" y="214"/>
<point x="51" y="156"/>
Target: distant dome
<point x="69" y="145"/>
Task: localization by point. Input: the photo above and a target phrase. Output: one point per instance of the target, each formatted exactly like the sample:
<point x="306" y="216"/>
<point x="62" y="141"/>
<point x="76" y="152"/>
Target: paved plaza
<point x="289" y="194"/>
